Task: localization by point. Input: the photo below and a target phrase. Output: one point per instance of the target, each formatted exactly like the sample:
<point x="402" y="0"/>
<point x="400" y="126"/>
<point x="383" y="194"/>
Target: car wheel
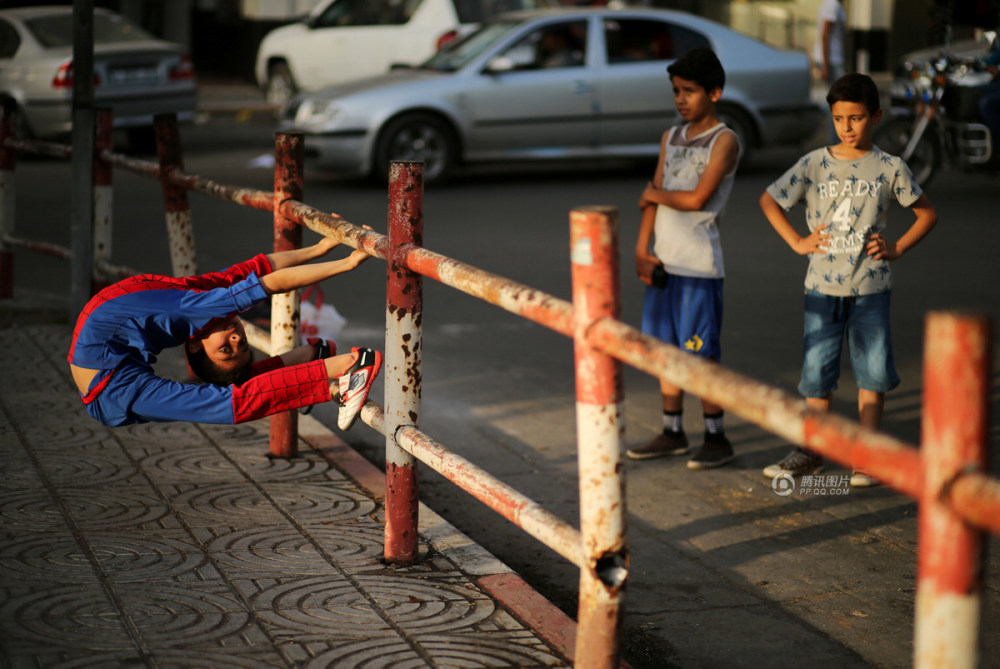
<point x="418" y="137"/>
<point x="740" y="124"/>
<point x="893" y="136"/>
<point x="20" y="129"/>
<point x="280" y="84"/>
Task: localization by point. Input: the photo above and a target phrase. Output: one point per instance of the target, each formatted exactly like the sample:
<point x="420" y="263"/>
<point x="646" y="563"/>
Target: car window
<point x="455" y="55"/>
<point x="636" y="40"/>
<point x="477" y="11"/>
<point x="57" y="30"/>
<point x="366" y="13"/>
<point x="9" y="40"/>
<point x="555" y="45"/>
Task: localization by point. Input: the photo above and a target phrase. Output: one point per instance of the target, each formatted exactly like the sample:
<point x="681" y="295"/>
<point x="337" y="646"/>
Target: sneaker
<point x="715" y="452"/>
<point x="861" y="479"/>
<point x="665" y="443"/>
<point x="355" y="384"/>
<point x="796" y="463"/>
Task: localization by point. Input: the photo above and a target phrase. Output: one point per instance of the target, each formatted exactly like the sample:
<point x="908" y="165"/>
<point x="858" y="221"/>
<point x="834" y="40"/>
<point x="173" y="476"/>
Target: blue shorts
<point x="865" y="321"/>
<point x="686" y="313"/>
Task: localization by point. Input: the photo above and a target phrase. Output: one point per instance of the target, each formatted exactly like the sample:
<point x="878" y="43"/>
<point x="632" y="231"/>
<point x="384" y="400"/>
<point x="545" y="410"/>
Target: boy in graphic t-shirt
<point x="847" y="189"/>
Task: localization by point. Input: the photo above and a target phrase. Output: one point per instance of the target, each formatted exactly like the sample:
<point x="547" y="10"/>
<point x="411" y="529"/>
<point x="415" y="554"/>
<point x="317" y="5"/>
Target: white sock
<point x="713" y="423"/>
<point x="673" y="422"/>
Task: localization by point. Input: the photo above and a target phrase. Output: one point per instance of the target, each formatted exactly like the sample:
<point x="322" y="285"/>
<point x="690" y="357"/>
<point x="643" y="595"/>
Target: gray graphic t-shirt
<point x="852" y="197"/>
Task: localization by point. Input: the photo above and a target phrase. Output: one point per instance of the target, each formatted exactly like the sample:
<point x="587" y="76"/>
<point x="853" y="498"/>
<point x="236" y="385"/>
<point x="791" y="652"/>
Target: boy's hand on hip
<point x="880" y="248"/>
<point x="814" y="243"/>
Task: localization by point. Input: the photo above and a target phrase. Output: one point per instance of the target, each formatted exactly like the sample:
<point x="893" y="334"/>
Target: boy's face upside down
<point x="225" y="344"/>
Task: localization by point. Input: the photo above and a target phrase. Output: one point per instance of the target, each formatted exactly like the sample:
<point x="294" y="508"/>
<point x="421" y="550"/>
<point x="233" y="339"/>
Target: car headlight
<point x="314" y="113"/>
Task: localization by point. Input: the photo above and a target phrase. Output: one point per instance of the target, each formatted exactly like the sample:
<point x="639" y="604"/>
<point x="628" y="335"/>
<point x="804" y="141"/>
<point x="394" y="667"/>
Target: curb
<point x="493" y="576"/>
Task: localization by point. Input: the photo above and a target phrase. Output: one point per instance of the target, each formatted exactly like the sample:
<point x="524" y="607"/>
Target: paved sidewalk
<point x="177" y="544"/>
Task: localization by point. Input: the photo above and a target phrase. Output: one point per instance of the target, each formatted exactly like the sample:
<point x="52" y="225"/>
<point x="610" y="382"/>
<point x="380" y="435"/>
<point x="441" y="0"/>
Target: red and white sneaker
<point x="355" y="384"/>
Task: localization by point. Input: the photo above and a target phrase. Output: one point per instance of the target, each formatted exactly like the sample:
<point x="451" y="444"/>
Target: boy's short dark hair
<point x="701" y="66"/>
<point x="208" y="372"/>
<point x="857" y="88"/>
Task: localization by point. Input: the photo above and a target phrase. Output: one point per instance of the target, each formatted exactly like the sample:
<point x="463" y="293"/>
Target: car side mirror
<point x="499" y="65"/>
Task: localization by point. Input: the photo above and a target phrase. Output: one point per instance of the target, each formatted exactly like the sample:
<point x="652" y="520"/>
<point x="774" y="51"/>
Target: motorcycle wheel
<point x="893" y="135"/>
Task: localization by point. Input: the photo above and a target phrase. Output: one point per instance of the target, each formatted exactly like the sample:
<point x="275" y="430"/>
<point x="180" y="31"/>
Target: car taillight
<point x="64" y="76"/>
<point x="182" y="70"/>
<point x="449" y="36"/>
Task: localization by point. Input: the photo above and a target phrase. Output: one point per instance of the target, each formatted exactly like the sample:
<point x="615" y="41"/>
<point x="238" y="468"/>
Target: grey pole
<point x="82" y="197"/>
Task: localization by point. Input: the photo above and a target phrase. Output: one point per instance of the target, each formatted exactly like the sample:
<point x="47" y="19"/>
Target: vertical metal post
<point x="594" y="254"/>
<point x="102" y="197"/>
<point x="82" y="200"/>
<point x="404" y="314"/>
<point x="180" y="236"/>
<point x="7" y="191"/>
<point x="289" y="154"/>
<point x="955" y="433"/>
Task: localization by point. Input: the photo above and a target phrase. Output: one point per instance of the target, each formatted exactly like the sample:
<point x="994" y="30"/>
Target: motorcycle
<point x="935" y="119"/>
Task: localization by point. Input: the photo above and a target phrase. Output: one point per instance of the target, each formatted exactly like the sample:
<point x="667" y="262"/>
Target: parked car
<point x="349" y="39"/>
<point x="491" y="97"/>
<point x="135" y="74"/>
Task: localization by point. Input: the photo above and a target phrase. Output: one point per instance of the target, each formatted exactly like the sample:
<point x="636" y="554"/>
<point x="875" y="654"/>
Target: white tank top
<point x="687" y="242"/>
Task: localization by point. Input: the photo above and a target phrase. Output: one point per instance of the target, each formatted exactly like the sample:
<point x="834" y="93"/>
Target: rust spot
<point x="413" y="416"/>
<point x="402" y="313"/>
<point x="407" y="288"/>
<point x="407" y="337"/>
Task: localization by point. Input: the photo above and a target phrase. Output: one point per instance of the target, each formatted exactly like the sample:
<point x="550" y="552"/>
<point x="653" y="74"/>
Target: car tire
<point x="739" y="123"/>
<point x="417" y="136"/>
<point x="893" y="135"/>
<point x="20" y="129"/>
<point x="280" y="84"/>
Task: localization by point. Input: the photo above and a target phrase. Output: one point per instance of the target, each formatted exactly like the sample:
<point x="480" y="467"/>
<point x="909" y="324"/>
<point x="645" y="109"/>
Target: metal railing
<point x="958" y="500"/>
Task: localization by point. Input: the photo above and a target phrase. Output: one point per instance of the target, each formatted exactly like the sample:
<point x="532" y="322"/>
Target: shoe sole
<point x="633" y="455"/>
<point x="373" y="371"/>
<point x="815" y="470"/>
<point x="702" y="464"/>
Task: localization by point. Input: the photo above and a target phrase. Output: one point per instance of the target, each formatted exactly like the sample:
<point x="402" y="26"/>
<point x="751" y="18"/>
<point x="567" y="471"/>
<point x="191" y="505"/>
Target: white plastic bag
<point x="319" y="318"/>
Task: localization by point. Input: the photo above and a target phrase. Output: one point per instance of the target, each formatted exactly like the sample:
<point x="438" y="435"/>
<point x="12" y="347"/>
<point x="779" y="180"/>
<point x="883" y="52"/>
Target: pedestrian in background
<point x="682" y="208"/>
<point x="828" y="50"/>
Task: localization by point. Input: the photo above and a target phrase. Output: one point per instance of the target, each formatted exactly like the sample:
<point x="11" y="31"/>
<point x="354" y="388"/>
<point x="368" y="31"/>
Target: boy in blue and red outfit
<point x="125" y="326"/>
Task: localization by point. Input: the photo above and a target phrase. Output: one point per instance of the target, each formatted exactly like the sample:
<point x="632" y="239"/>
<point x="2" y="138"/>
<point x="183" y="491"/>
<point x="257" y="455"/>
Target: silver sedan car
<point x="135" y="74"/>
<point x="551" y="84"/>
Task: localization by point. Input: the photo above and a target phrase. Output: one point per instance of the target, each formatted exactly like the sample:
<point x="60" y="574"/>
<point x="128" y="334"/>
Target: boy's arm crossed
<point x="725" y="154"/>
<point x="882" y="249"/>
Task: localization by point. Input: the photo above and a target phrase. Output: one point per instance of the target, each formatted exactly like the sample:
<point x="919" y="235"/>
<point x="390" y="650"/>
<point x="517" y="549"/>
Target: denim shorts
<point x="687" y="313"/>
<point x="865" y="321"/>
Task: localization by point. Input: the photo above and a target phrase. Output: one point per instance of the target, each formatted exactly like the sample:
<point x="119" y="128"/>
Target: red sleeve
<point x="227" y="277"/>
<point x="280" y="390"/>
<point x="266" y="365"/>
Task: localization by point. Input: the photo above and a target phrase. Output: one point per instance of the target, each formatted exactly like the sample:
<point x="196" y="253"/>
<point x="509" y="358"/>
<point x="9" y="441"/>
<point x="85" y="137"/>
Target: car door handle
<point x="582" y="87"/>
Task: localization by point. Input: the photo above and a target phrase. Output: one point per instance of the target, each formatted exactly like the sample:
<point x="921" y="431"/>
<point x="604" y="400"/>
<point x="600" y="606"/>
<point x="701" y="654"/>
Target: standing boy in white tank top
<point x="682" y="208"/>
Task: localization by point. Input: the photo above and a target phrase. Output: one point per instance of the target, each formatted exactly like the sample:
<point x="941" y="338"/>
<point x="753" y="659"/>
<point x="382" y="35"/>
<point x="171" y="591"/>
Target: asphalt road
<point x="499" y="390"/>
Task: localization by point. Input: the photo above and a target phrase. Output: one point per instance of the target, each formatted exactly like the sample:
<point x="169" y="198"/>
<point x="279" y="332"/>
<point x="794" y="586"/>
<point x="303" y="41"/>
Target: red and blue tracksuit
<point x="125" y="326"/>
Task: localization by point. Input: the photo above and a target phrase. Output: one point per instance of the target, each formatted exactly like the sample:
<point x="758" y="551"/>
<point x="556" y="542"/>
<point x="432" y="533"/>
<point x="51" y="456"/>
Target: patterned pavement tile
<point x="116" y="508"/>
<point x="64" y="616"/>
<point x="30" y="511"/>
<point x="44" y="558"/>
<point x="321" y="502"/>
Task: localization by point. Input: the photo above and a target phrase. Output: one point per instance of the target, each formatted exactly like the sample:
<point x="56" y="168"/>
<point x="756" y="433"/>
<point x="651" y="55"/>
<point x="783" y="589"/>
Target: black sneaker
<point x="665" y="443"/>
<point x="796" y="463"/>
<point x="715" y="452"/>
